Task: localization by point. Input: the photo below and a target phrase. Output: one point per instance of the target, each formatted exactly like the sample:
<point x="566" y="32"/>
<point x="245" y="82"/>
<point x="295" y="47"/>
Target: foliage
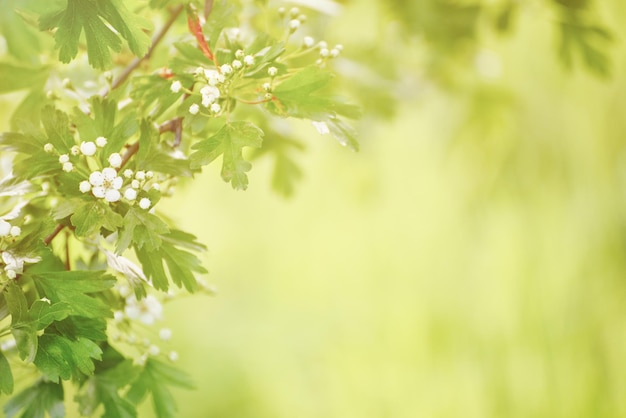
<point x="86" y="256"/>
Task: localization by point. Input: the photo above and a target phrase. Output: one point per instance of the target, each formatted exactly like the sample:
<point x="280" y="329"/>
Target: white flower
<point x="248" y="60"/>
<point x="165" y="334"/>
<point x="112" y="195"/>
<point x="144" y="203"/>
<point x="267" y="86"/>
<point x="75" y="150"/>
<point x="135" y="184"/>
<point x="339" y="47"/>
<point x="294" y="24"/>
<point x="128" y="173"/>
<point x="84" y="186"/>
<point x="334" y="52"/>
<point x="14" y="265"/>
<point x="215" y="107"/>
<point x="88" y="148"/>
<point x="147" y="310"/>
<point x="96" y="179"/>
<point x="226" y="69"/>
<point x="207" y="100"/>
<point x="68" y="167"/>
<point x="140" y="175"/>
<point x="324" y="52"/>
<point x="48" y="147"/>
<point x="149" y="174"/>
<point x="64" y="158"/>
<point x="272" y="71"/>
<point x="130" y="194"/>
<point x="156" y="186"/>
<point x="173" y="356"/>
<point x="176" y="86"/>
<point x="5" y="228"/>
<point x="210" y="91"/>
<point x="322" y="44"/>
<point x="109" y="174"/>
<point x="239" y="53"/>
<point x="308" y="41"/>
<point x="194" y="109"/>
<point x="237" y="64"/>
<point x="98" y="192"/>
<point x="106" y="184"/>
<point x="115" y="160"/>
<point x="101" y="141"/>
<point x="118" y="316"/>
<point x="154" y="350"/>
<point x="15" y="231"/>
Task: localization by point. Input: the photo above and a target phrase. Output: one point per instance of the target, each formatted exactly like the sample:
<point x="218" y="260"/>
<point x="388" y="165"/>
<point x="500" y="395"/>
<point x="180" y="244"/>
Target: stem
<point x="54" y="233"/>
<point x="132" y="150"/>
<point x="67" y="252"/>
<point x="155" y="41"/>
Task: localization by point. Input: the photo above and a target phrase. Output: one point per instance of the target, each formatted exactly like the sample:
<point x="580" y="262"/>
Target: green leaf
<point x="22" y="40"/>
<point x="43" y="313"/>
<point x="91" y="216"/>
<point x="36" y="401"/>
<point x="22" y="328"/>
<point x="57" y="127"/>
<point x="141" y="228"/>
<point x="59" y="357"/>
<point x="74" y="327"/>
<point x="229" y="142"/>
<point x="103" y="389"/>
<point x="181" y="264"/>
<point x="92" y="18"/>
<point x="152" y="157"/>
<point x="76" y="289"/>
<point x="155" y="378"/>
<point x="19" y="77"/>
<point x="6" y="376"/>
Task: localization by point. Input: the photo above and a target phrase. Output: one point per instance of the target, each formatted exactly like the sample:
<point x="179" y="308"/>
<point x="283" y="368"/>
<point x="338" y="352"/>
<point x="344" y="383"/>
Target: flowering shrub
<point x="86" y="258"/>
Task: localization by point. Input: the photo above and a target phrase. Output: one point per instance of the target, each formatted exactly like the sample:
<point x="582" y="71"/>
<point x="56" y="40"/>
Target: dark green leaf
<point x="21" y="326"/>
<point x="91" y="216"/>
<point x="75" y="288"/>
<point x="59" y="357"/>
<point x="92" y="18"/>
<point x="141" y="228"/>
<point x="43" y="313"/>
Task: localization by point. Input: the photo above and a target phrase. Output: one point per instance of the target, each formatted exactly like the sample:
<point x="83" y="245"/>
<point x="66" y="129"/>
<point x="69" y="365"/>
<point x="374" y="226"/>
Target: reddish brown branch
<point x="54" y="233"/>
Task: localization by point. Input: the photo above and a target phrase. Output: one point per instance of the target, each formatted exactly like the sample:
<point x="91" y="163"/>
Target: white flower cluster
<point x="107" y="184"/>
<point x="147" y="311"/>
<point x="8" y="230"/>
<point x="295" y="18"/>
<point x="14" y="264"/>
<point x="325" y="52"/>
<point x="87" y="149"/>
<point x="216" y="81"/>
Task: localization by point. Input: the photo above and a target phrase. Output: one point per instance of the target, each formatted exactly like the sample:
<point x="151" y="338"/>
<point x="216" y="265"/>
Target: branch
<point x="54" y="233"/>
<point x="155" y="41"/>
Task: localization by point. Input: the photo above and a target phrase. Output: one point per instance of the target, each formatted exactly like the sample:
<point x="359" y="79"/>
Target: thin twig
<point x="54" y="233"/>
<point x="155" y="41"/>
<point x="132" y="150"/>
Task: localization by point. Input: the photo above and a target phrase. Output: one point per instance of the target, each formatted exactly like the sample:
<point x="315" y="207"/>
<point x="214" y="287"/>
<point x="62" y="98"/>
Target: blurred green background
<point x="469" y="261"/>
